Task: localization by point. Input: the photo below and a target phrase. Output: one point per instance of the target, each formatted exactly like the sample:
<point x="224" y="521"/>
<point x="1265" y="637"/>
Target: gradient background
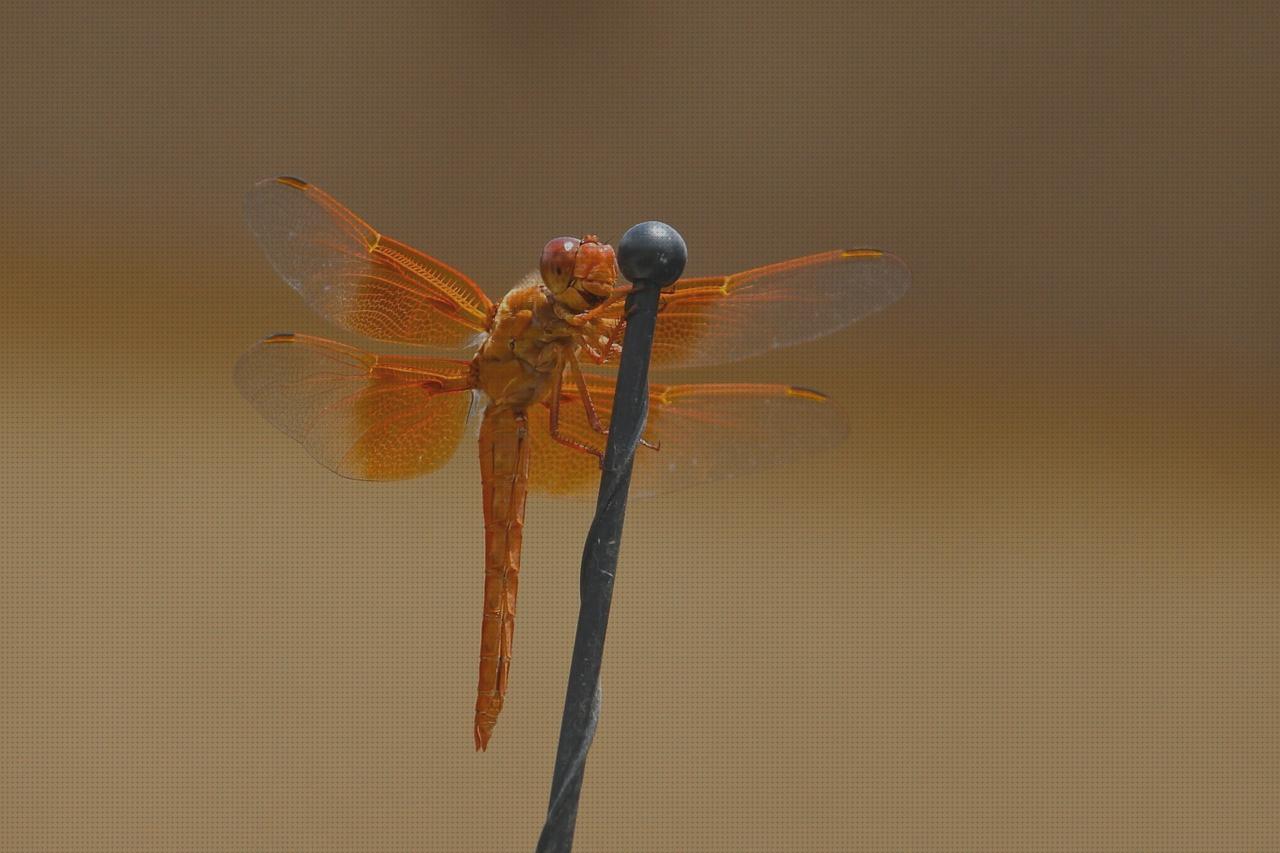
<point x="1030" y="605"/>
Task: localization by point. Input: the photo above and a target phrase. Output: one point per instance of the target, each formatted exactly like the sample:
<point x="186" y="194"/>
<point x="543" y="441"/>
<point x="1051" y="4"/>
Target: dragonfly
<point x="534" y="369"/>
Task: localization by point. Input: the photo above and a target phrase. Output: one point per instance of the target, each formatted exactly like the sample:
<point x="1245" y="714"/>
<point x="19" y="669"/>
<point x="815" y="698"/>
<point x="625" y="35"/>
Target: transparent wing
<point x="357" y="278"/>
<point x="365" y="416"/>
<point x="703" y="433"/>
<point x="721" y="319"/>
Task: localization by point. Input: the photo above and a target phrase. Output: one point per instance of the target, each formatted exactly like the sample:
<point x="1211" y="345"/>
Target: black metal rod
<point x="652" y="256"/>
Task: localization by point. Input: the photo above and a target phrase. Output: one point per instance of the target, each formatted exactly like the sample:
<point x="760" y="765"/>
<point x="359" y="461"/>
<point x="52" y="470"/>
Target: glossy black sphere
<point x="652" y="253"/>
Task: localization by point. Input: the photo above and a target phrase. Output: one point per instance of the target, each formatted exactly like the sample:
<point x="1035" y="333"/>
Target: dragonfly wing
<point x="365" y="416"/>
<point x="358" y="278"/>
<point x="703" y="432"/>
<point x="704" y="321"/>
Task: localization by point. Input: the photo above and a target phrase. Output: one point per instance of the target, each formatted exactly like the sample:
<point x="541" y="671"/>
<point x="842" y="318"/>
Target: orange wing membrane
<point x="704" y="321"/>
<point x="702" y="433"/>
<point x="364" y="416"/>
<point x="358" y="278"/>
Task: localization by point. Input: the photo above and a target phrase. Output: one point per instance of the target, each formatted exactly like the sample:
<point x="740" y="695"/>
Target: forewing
<point x="357" y="278"/>
<point x="721" y="319"/>
<point x="365" y="416"/>
<point x="703" y="433"/>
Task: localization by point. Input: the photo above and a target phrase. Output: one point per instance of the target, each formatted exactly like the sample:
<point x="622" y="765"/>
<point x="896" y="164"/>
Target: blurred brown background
<point x="1031" y="604"/>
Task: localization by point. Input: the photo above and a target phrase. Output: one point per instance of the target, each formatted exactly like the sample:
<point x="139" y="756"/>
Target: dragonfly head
<point x="579" y="273"/>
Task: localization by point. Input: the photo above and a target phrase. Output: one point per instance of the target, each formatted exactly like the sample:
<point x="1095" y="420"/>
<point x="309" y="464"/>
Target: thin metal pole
<point x="651" y="255"/>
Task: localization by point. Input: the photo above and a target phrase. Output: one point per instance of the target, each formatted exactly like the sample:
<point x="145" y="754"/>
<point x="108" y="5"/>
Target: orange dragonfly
<point x="388" y="417"/>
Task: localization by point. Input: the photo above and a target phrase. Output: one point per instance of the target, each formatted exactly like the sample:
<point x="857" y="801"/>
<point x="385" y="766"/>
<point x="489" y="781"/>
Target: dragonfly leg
<point x="555" y="423"/>
<point x="593" y="417"/>
<point x="601" y="354"/>
<point x="619" y="292"/>
<point x="613" y="338"/>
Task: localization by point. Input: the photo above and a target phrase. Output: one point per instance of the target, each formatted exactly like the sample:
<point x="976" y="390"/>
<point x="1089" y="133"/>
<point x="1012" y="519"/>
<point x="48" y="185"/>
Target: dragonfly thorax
<point x="517" y="362"/>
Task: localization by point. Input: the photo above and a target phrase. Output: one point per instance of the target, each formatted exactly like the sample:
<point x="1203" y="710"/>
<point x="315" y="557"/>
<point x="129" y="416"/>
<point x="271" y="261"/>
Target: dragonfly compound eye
<point x="559" y="257"/>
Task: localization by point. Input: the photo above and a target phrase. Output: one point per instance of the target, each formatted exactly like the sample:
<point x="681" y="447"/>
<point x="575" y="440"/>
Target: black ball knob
<point x="652" y="254"/>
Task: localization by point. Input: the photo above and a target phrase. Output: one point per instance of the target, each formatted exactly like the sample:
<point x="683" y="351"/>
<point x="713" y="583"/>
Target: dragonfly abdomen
<point x="504" y="467"/>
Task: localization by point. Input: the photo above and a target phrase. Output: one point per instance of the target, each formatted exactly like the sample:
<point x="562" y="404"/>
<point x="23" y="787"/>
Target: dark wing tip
<point x="874" y="254"/>
<point x="901" y="271"/>
<point x="808" y="394"/>
<point x="296" y="183"/>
